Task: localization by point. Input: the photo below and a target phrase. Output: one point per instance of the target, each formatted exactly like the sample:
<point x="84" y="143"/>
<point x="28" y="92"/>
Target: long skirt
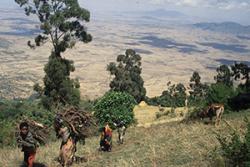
<point x="67" y="152"/>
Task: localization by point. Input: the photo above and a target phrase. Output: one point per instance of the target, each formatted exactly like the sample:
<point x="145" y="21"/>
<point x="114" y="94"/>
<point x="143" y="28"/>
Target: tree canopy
<point x="114" y="107"/>
<point x="224" y="75"/>
<point x="241" y="72"/>
<point x="61" y="23"/>
<point x="127" y="75"/>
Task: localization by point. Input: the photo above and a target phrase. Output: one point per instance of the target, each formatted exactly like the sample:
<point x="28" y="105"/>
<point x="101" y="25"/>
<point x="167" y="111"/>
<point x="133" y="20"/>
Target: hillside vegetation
<point x="168" y="144"/>
<point x="156" y="136"/>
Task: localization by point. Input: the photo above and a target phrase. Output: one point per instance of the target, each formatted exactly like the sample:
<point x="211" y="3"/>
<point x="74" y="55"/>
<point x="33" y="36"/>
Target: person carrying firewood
<point x="28" y="144"/>
<point x="73" y="125"/>
<point x="106" y="138"/>
<point x="69" y="141"/>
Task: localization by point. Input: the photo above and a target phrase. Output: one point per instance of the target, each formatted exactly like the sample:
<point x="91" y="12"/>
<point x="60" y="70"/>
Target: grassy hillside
<point x="169" y="144"/>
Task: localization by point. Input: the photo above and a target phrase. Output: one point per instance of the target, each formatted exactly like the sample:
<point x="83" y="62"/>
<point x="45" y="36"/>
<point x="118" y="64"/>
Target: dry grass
<point x="169" y="144"/>
<point x="147" y="115"/>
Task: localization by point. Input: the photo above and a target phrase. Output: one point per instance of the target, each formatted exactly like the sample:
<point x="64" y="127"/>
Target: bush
<point x="161" y="114"/>
<point x="192" y="114"/>
<point x="240" y="102"/>
<point x="235" y="149"/>
<point x="154" y="101"/>
<point x="115" y="106"/>
<point x="220" y="93"/>
<point x="13" y="111"/>
<point x="173" y="97"/>
<point x="7" y="133"/>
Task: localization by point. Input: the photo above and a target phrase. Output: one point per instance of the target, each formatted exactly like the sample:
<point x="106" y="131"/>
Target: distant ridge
<point x="226" y="27"/>
<point x="164" y="13"/>
<point x="164" y="17"/>
<point x="158" y="13"/>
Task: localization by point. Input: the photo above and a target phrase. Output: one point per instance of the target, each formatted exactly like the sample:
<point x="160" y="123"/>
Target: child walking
<point x="28" y="144"/>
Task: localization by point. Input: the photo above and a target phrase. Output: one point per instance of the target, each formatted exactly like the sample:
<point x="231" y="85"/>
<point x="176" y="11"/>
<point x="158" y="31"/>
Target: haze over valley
<point x="172" y="45"/>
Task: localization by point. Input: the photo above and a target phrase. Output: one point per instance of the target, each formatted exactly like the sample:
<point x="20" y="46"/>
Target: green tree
<point x="115" y="106"/>
<point x="61" y="23"/>
<point x="242" y="72"/>
<point x="173" y="97"/>
<point x="199" y="90"/>
<point x="127" y="75"/>
<point x="220" y="93"/>
<point x="224" y="75"/>
<point x="196" y="79"/>
<point x="180" y="95"/>
<point x="59" y="88"/>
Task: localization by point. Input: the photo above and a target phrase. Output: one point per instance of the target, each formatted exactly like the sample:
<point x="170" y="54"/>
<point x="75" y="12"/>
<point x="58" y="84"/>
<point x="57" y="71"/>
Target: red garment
<point x="31" y="159"/>
<point x="108" y="131"/>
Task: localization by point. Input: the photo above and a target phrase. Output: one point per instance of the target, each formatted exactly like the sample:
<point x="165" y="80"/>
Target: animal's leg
<point x="218" y="113"/>
<point x="211" y="119"/>
<point x="119" y="136"/>
<point x="123" y="133"/>
<point x="216" y="122"/>
<point x="121" y="139"/>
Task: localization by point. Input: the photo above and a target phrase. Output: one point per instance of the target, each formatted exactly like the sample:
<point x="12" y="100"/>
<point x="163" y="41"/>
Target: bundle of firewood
<point x="39" y="131"/>
<point x="81" y="123"/>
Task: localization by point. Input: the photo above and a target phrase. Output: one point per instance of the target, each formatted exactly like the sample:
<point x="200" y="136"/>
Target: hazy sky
<point x="220" y="10"/>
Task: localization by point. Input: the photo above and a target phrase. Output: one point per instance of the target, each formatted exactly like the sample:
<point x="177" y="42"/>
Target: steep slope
<point x="169" y="144"/>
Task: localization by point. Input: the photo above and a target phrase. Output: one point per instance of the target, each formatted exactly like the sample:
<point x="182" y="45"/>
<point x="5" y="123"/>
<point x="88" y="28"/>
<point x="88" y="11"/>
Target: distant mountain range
<point x="160" y="16"/>
<point x="164" y="13"/>
<point x="226" y="27"/>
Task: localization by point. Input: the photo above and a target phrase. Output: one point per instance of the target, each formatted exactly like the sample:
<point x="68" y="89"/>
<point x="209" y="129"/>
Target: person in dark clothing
<point x="28" y="144"/>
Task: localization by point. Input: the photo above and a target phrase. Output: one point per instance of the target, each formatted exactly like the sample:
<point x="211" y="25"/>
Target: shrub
<point x="220" y="93"/>
<point x="235" y="149"/>
<point x="13" y="111"/>
<point x="240" y="102"/>
<point x="115" y="106"/>
<point x="192" y="114"/>
<point x="154" y="101"/>
<point x="173" y="97"/>
<point x="162" y="113"/>
<point x="7" y="133"/>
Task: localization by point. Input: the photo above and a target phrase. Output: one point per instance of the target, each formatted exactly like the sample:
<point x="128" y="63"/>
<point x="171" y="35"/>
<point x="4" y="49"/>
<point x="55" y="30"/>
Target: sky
<point x="212" y="10"/>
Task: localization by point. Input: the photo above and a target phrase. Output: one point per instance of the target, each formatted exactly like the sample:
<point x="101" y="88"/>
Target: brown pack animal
<point x="211" y="111"/>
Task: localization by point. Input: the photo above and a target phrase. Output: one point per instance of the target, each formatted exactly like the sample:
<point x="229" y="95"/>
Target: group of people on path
<point x="29" y="145"/>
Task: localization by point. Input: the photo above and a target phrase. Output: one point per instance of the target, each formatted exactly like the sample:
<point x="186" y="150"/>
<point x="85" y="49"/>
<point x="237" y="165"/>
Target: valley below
<point x="170" y="52"/>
